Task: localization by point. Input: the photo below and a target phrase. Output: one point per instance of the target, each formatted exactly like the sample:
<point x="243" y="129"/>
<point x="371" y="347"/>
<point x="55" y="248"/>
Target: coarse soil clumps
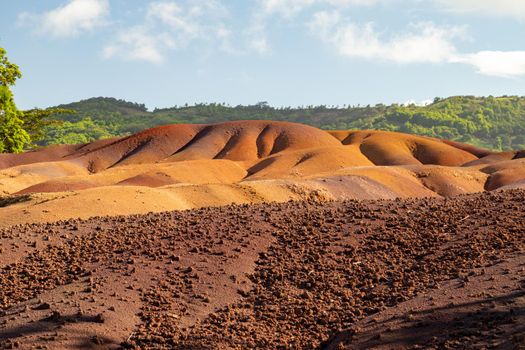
<point x="297" y="275"/>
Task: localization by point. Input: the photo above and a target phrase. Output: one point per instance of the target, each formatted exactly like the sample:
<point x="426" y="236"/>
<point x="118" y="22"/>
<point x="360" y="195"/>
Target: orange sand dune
<point x="188" y="166"/>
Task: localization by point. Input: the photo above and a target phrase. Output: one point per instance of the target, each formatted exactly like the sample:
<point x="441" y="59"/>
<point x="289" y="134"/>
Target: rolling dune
<point x="351" y="258"/>
<point x="191" y="166"/>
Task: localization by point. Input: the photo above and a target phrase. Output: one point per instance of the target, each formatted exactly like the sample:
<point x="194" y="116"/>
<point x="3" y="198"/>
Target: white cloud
<point x="197" y="18"/>
<point x="424" y="43"/>
<point x="495" y="63"/>
<point x="503" y="8"/>
<point x="285" y="8"/>
<point x="288" y="8"/>
<point x="177" y="18"/>
<point x="138" y="44"/>
<point x="171" y="25"/>
<point x="69" y="20"/>
<point x="506" y="8"/>
<point x="257" y="38"/>
<point x="351" y="2"/>
<point x="324" y="22"/>
<point x="259" y="44"/>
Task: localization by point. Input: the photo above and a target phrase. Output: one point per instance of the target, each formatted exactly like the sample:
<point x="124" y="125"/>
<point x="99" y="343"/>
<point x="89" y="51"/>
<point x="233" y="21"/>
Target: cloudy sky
<point x="286" y="52"/>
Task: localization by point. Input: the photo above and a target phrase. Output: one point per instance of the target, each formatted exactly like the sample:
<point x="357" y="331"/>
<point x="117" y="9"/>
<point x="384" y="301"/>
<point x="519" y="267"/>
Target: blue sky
<point x="287" y="52"/>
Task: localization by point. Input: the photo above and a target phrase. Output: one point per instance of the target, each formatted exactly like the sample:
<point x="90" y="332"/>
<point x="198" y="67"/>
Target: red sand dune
<point x="244" y="162"/>
<point x="322" y="271"/>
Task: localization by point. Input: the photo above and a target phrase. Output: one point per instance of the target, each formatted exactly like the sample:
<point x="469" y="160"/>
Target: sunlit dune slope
<point x="188" y="166"/>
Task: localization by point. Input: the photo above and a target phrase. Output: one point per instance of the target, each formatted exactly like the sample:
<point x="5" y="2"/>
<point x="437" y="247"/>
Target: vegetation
<point x="20" y="129"/>
<point x="492" y="122"/>
<point x="13" y="137"/>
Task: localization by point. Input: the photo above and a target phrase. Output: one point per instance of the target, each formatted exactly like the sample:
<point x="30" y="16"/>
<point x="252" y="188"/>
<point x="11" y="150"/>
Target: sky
<point x="285" y="52"/>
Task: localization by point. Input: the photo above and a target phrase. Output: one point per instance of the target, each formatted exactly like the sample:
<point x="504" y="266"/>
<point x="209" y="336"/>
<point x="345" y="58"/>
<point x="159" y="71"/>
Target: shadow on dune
<point x="497" y="322"/>
<point x="45" y="327"/>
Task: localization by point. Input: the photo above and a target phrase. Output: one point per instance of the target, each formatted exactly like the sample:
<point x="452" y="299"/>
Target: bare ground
<point x="417" y="273"/>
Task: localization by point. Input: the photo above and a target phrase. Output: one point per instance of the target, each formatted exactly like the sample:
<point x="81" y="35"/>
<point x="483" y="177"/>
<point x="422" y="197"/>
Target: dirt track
<point x="294" y="275"/>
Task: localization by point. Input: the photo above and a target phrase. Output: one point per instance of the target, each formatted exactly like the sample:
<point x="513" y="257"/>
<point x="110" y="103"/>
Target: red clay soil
<point x="247" y="140"/>
<point x="239" y="141"/>
<point x="188" y="166"/>
<point x="297" y="275"/>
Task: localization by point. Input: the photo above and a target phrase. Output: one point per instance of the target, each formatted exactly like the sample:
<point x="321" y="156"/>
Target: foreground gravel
<point x="298" y="275"/>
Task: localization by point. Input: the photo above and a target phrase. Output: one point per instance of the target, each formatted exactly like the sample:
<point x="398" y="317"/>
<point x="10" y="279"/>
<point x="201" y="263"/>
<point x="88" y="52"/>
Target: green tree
<point x="20" y="129"/>
<point x="37" y="122"/>
<point x="13" y="137"/>
<point x="9" y="72"/>
<point x="83" y="131"/>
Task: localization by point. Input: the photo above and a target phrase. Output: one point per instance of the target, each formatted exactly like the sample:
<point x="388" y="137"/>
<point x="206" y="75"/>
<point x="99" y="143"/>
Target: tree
<point x="20" y="129"/>
<point x="9" y="72"/>
<point x="13" y="137"/>
<point x="37" y="122"/>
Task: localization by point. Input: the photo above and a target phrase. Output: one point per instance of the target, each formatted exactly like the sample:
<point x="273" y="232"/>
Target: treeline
<point x="492" y="122"/>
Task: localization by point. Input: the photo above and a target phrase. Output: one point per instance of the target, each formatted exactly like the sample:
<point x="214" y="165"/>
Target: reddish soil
<point x="415" y="273"/>
<point x="188" y="166"/>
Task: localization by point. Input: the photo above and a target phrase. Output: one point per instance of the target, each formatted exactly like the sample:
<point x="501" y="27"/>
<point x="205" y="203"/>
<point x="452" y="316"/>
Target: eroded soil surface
<point x="191" y="166"/>
<point x="416" y="273"/>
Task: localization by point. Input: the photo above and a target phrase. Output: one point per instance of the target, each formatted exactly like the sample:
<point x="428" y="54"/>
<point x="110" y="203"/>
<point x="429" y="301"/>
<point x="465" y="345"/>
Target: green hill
<point x="492" y="122"/>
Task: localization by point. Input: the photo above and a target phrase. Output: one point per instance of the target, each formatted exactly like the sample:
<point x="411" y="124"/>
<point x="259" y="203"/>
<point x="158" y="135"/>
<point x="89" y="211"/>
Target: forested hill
<point x="492" y="122"/>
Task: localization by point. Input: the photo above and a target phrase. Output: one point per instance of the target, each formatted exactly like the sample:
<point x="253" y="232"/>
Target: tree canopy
<point x="18" y="129"/>
<point x="9" y="72"/>
<point x="493" y="122"/>
<point x="13" y="137"/>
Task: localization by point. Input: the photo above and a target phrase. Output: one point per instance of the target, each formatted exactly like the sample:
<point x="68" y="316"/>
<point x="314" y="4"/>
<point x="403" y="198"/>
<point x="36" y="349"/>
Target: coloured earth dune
<point x="189" y="166"/>
<point x="336" y="240"/>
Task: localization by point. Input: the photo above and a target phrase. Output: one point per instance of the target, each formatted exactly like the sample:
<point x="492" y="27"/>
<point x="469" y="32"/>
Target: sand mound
<point x="451" y="181"/>
<point x="388" y="148"/>
<point x="308" y="162"/>
<point x="505" y="177"/>
<point x="246" y="162"/>
<point x="238" y="141"/>
<point x="48" y="154"/>
<point x="148" y="175"/>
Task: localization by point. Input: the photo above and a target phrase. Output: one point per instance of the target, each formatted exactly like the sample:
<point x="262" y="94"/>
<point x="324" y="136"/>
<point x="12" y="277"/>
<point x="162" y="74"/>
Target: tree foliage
<point x="37" y="122"/>
<point x="493" y="122"/>
<point x="83" y="131"/>
<point x="18" y="129"/>
<point x="13" y="137"/>
<point x="9" y="72"/>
